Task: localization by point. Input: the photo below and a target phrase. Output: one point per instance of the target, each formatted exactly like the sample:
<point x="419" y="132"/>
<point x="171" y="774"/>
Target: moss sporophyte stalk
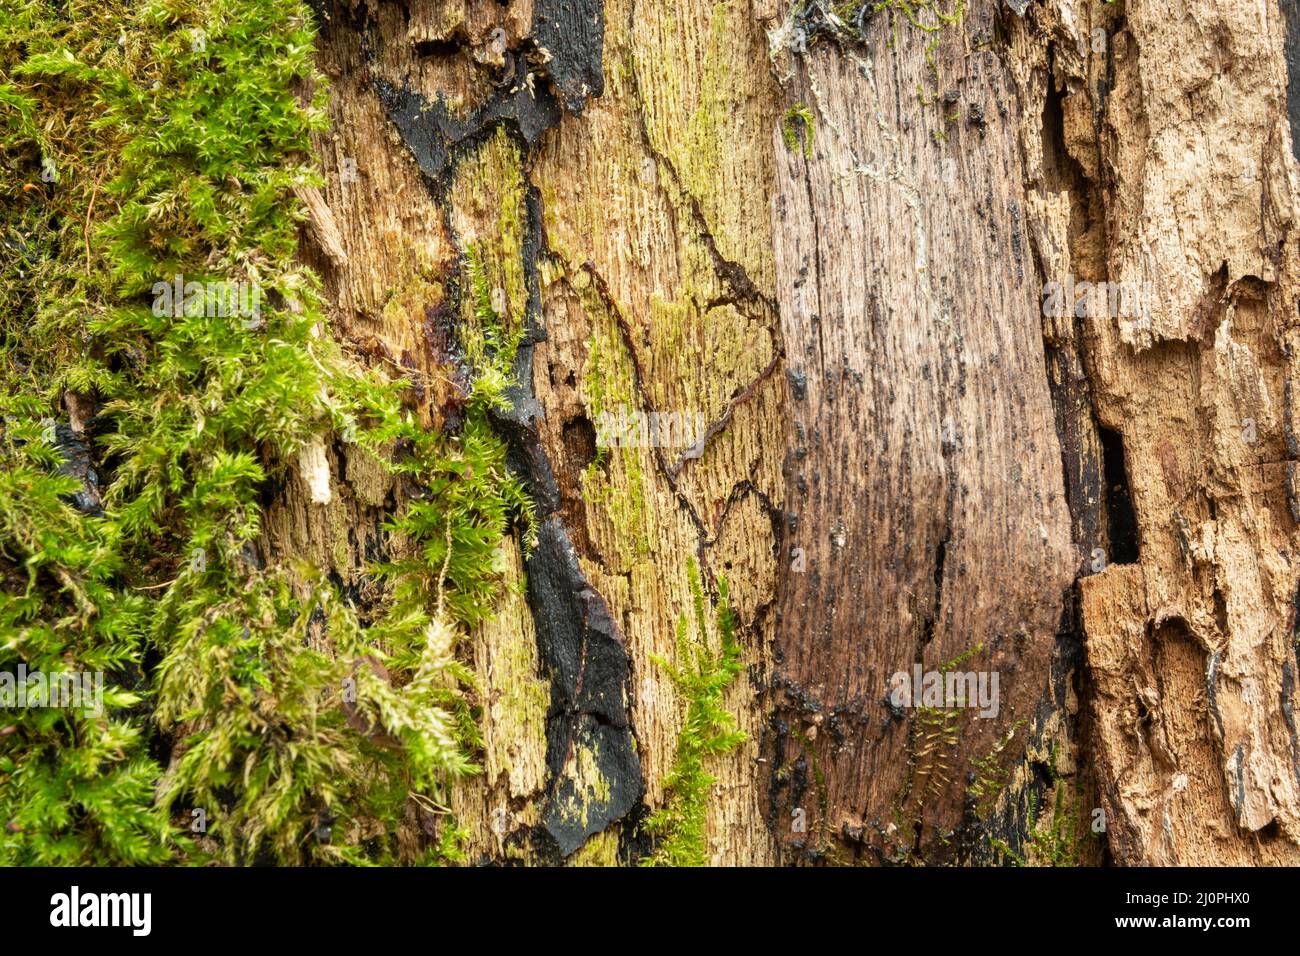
<point x="138" y="444"/>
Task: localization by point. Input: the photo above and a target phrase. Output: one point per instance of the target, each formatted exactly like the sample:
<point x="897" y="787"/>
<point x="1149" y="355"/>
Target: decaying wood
<point x="924" y="481"/>
<point x="1180" y="139"/>
<point x="906" y="462"/>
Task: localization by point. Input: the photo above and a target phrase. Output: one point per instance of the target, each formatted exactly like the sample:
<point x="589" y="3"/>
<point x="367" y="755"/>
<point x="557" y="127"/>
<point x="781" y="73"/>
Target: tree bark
<point x="830" y="235"/>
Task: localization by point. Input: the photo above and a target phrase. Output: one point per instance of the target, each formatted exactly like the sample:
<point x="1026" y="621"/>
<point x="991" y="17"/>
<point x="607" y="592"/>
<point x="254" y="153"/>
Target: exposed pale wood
<point x="1183" y="179"/>
<point x="657" y="296"/>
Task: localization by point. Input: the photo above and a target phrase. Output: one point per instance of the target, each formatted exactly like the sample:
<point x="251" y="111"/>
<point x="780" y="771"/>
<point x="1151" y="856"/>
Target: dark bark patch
<point x="435" y="137"/>
<point x="1291" y="12"/>
<point x="573" y="33"/>
<point x="585" y="659"/>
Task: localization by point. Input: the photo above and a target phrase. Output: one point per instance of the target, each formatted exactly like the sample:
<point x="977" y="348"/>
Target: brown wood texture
<point x="924" y="481"/>
<point x="830" y="241"/>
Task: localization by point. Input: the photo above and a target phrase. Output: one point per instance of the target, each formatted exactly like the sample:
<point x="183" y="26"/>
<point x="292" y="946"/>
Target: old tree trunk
<point x="829" y="231"/>
<point x="834" y="234"/>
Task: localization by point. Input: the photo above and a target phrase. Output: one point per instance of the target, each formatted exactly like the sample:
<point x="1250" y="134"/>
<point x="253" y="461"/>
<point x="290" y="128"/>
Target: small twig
<point x="153" y="587"/>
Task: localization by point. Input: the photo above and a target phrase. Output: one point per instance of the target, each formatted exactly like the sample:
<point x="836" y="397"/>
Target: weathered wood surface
<point x="924" y="471"/>
<point x="1180" y="141"/>
<point x="906" y="460"/>
<point x="643" y="262"/>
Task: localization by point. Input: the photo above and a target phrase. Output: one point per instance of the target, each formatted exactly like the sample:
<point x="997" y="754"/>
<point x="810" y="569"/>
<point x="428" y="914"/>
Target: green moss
<point x="1005" y="851"/>
<point x="935" y="734"/>
<point x="990" y="776"/>
<point x="179" y="134"/>
<point x="702" y="677"/>
<point x="1060" y="840"/>
<point x="489" y="193"/>
<point x="86" y="781"/>
<point x="798" y="118"/>
<point x="490" y="341"/>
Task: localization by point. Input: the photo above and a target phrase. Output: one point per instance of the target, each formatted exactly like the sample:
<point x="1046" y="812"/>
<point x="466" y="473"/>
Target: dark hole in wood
<point x="1121" y="520"/>
<point x="579" y="442"/>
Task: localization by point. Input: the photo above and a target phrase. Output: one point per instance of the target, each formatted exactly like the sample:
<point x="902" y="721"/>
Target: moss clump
<point x="798" y="118"/>
<point x="702" y="677"/>
<point x="1060" y="840"/>
<point x="85" y="780"/>
<point x="495" y="175"/>
<point x="177" y="133"/>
